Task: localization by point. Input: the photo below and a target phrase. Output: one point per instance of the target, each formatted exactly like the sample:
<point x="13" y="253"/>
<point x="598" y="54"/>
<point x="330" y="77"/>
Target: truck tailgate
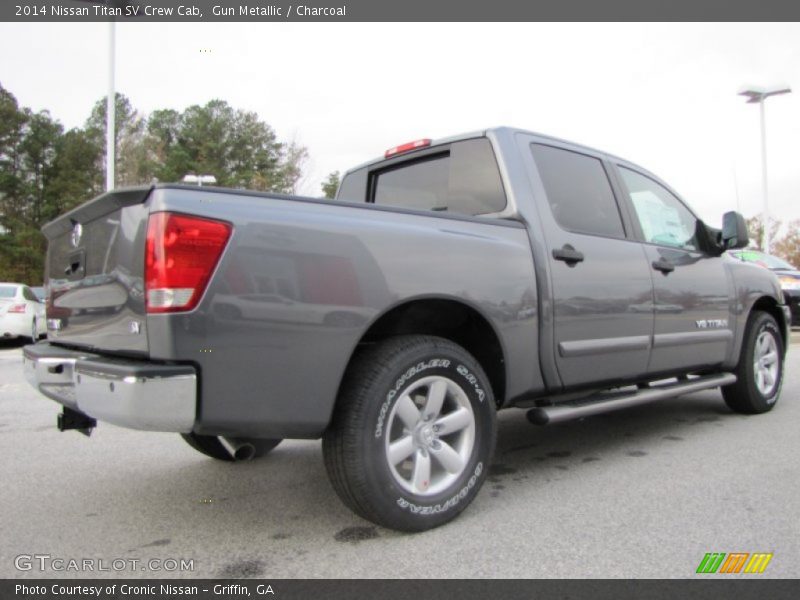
<point x="94" y="274"/>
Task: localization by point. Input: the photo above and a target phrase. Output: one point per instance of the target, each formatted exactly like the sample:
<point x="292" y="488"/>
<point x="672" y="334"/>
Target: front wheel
<point x="760" y="369"/>
<point x="413" y="433"/>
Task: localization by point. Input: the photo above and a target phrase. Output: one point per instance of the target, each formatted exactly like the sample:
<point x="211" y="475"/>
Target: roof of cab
<point x="484" y="133"/>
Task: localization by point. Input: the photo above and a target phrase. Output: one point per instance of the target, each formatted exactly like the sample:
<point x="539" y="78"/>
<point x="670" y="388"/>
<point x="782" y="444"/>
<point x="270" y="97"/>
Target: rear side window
<point x="461" y="179"/>
<point x="353" y="187"/>
<point x="578" y="191"/>
<point x="29" y="295"/>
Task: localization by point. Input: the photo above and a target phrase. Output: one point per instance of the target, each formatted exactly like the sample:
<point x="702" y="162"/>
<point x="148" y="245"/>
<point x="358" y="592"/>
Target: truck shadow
<point x="286" y="494"/>
<point x="524" y="449"/>
<point x="12" y="343"/>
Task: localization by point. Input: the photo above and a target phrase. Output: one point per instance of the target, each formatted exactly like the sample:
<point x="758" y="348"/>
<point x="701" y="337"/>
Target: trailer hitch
<point x="73" y="419"/>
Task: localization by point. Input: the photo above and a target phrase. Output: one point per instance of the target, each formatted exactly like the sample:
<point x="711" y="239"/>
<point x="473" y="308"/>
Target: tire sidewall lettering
<point x="440" y="507"/>
<point x="472" y="380"/>
<point x="771" y="327"/>
<point x="400" y="383"/>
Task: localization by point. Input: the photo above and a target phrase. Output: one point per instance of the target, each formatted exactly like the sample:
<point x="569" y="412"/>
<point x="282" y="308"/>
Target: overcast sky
<point x="661" y="95"/>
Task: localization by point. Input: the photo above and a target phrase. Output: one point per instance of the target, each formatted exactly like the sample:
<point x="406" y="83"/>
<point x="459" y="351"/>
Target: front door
<point x="692" y="320"/>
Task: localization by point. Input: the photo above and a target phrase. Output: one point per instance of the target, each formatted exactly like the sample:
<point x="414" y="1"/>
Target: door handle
<point x="663" y="265"/>
<point x="568" y="254"/>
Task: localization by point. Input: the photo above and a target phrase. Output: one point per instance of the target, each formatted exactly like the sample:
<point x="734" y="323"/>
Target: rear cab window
<point x="459" y="178"/>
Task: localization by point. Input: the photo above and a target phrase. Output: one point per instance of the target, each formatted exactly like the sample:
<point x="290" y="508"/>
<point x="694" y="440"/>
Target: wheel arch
<point x="764" y="303"/>
<point x="449" y="318"/>
<point x="768" y="305"/>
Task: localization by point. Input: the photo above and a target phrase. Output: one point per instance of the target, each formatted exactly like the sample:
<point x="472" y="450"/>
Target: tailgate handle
<point x="75" y="263"/>
<point x="73" y="268"/>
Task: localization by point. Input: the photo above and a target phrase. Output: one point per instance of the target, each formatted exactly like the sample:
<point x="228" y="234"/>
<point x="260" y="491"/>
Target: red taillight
<point x="407" y="147"/>
<point x="181" y="252"/>
<point x="16" y="308"/>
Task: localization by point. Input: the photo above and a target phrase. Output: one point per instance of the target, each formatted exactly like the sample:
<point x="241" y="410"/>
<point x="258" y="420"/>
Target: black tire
<point x="248" y="448"/>
<point x="456" y="410"/>
<point x="752" y="394"/>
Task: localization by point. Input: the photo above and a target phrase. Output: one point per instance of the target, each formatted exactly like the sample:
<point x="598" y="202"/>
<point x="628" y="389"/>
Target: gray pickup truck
<point x="448" y="280"/>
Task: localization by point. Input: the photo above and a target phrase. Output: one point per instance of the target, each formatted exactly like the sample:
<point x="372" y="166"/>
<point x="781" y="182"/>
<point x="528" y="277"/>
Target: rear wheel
<point x="760" y="369"/>
<point x="413" y="433"/>
<point x="229" y="448"/>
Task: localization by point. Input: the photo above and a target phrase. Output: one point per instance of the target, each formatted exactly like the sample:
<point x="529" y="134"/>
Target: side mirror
<point x="734" y="231"/>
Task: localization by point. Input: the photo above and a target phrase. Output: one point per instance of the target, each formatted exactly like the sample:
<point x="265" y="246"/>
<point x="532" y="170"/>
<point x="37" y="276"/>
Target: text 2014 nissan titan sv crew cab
<point x="448" y="280"/>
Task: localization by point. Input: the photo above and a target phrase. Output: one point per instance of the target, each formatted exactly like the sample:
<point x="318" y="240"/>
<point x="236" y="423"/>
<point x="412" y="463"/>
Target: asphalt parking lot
<point x="643" y="493"/>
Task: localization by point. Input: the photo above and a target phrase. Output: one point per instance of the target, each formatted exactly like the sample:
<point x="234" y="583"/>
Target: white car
<point x="21" y="312"/>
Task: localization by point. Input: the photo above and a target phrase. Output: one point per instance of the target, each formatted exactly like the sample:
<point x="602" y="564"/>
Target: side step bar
<point x="595" y="405"/>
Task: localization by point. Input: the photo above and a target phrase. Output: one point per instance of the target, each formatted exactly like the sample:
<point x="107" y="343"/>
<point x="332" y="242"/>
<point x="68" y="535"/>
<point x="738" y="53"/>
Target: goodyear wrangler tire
<point x="760" y="369"/>
<point x="413" y="434"/>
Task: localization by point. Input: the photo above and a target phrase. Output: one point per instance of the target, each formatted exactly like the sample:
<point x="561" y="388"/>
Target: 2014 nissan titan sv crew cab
<point x="448" y="280"/>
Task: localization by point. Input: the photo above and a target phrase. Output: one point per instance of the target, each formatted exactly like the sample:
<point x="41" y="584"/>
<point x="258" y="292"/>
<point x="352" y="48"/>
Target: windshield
<point x="765" y="260"/>
<point x="8" y="291"/>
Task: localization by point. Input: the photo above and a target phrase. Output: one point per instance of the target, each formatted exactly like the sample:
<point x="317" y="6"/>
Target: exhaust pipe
<point x="239" y="450"/>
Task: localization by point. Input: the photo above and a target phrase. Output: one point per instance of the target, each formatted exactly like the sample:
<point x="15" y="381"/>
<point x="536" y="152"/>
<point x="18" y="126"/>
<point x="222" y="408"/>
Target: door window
<point x="663" y="218"/>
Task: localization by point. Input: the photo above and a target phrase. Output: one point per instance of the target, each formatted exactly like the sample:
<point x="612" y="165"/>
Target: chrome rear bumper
<point x="128" y="393"/>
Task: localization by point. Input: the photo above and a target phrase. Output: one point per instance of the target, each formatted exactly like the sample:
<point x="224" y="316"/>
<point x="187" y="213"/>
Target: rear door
<point x="600" y="280"/>
<point x="693" y="327"/>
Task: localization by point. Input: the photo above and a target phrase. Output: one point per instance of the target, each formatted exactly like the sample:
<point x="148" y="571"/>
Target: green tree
<point x="331" y="185"/>
<point x="755" y="229"/>
<point x="132" y="164"/>
<point x="788" y="247"/>
<point x="45" y="171"/>
<point x="28" y="149"/>
<point x="171" y="160"/>
<point x="76" y="175"/>
<point x="235" y="146"/>
<point x="12" y="124"/>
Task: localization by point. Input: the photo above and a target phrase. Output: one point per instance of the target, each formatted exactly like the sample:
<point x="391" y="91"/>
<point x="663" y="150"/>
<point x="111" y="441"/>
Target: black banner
<point x="397" y="10"/>
<point x="378" y="589"/>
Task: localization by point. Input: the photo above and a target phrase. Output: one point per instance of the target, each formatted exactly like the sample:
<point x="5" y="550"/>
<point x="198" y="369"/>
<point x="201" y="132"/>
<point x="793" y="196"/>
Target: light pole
<point x="111" y="109"/>
<point x="199" y="179"/>
<point x="758" y="95"/>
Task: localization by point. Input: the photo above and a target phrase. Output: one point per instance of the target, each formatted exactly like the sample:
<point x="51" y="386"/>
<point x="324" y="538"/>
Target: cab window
<point x="578" y="191"/>
<point x="462" y="179"/>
